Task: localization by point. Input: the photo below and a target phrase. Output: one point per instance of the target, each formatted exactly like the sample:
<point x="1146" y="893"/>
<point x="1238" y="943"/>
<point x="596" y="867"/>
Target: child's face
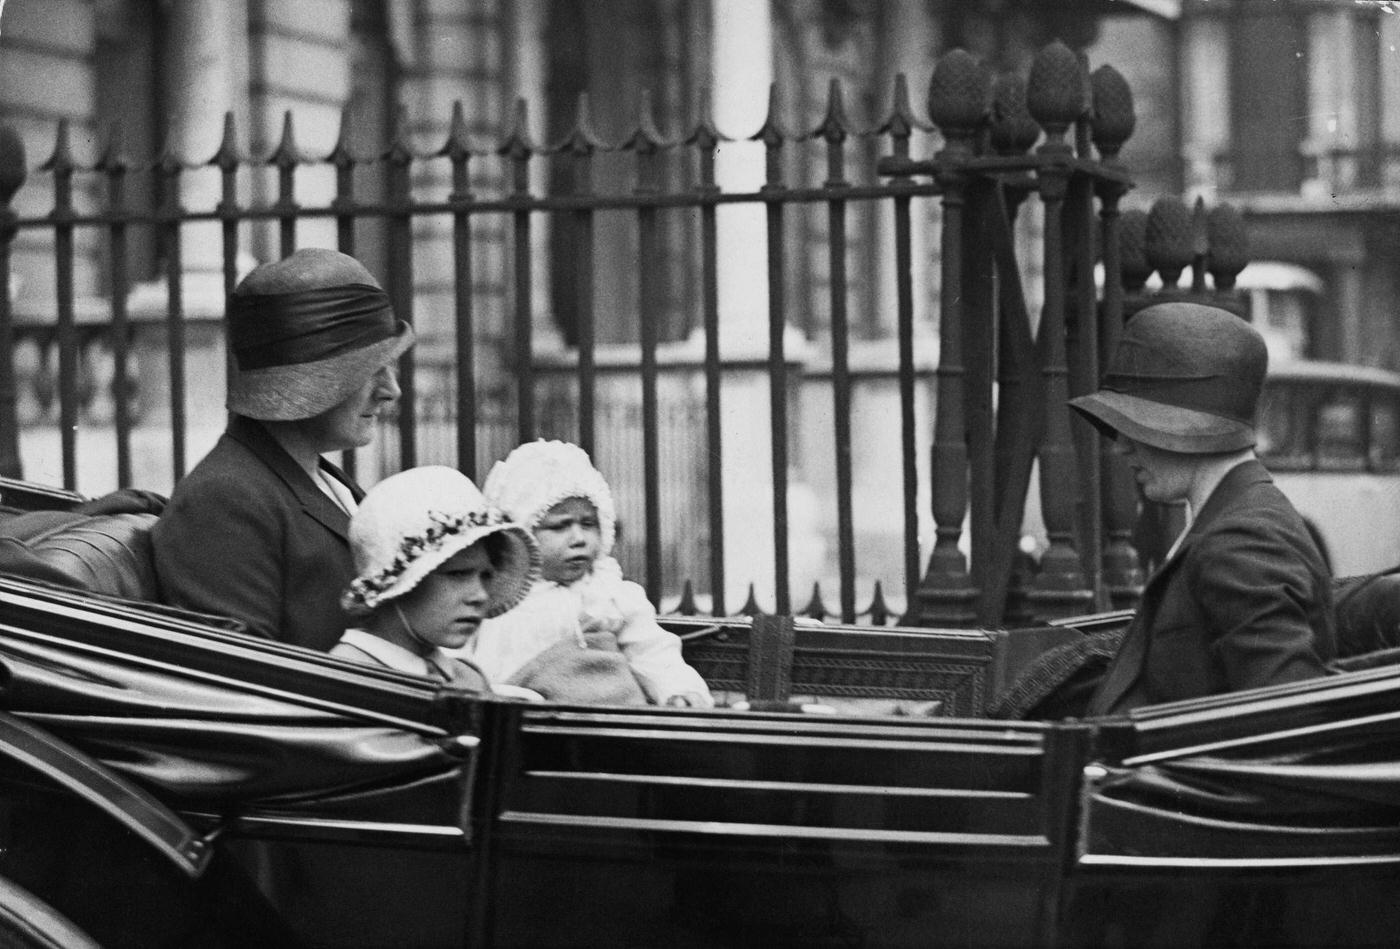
<point x="449" y="604"/>
<point x="569" y="539"/>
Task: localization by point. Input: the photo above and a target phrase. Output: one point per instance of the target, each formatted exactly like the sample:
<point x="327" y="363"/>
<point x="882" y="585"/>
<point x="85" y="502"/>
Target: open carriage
<point x="170" y="781"/>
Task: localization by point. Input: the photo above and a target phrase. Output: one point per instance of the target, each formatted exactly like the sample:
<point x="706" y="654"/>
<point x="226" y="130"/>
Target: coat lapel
<point x="313" y="501"/>
<point x="1127" y="667"/>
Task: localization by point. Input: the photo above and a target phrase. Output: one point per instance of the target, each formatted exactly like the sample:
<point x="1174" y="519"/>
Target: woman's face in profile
<point x="351" y="423"/>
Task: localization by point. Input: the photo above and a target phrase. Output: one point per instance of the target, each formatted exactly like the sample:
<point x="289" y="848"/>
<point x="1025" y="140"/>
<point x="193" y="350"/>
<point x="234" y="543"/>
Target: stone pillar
<point x="1205" y="98"/>
<point x="1331" y="101"/>
<point x="742" y="71"/>
<point x="1390" y="95"/>
<point x="206" y="77"/>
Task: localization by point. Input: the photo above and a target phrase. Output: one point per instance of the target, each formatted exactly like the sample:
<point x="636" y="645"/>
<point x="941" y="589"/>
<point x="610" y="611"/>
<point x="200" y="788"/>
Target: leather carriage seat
<point x="1367" y="613"/>
<point x="99" y="553"/>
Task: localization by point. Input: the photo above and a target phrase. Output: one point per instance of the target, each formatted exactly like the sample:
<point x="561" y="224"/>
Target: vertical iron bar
<point x="904" y="329"/>
<point x="115" y="167"/>
<point x="228" y="160"/>
<point x="13" y="170"/>
<point x="834" y="132"/>
<point x="400" y="234"/>
<point x="343" y="206"/>
<point x="706" y="140"/>
<point x="900" y="127"/>
<point x="463" y="316"/>
<point x="583" y="222"/>
<point x="773" y="192"/>
<point x="651" y="311"/>
<point x="1122" y="571"/>
<point x="980" y="324"/>
<point x="169" y="217"/>
<point x="287" y="158"/>
<point x="1084" y="378"/>
<point x="462" y="280"/>
<point x="61" y="164"/>
<point x="518" y="149"/>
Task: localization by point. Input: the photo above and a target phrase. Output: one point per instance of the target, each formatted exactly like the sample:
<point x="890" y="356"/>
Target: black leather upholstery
<point x="102" y="553"/>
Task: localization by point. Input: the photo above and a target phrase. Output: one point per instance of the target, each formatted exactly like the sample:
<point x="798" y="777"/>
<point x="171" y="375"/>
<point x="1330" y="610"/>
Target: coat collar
<point x="1231" y="487"/>
<point x="252" y="435"/>
<point x="1127" y="666"/>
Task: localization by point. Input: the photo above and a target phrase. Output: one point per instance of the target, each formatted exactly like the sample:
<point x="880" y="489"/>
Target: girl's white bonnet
<point x="410" y="523"/>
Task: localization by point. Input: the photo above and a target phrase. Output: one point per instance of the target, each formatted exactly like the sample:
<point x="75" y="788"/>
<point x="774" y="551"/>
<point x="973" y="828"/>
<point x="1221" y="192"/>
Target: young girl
<point x="432" y="561"/>
<point x="581" y="600"/>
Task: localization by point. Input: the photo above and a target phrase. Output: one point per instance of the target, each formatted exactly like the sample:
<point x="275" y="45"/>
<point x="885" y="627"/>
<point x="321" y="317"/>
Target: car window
<point x="1282" y="432"/>
<point x="1385" y="432"/>
<point x="1341" y="432"/>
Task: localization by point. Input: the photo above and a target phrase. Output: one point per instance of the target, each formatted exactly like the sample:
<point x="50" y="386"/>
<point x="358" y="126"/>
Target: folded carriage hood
<point x="233" y="721"/>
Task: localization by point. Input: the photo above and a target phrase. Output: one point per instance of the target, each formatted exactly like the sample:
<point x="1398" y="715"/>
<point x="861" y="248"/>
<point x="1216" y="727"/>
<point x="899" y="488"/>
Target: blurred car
<point x="1330" y="435"/>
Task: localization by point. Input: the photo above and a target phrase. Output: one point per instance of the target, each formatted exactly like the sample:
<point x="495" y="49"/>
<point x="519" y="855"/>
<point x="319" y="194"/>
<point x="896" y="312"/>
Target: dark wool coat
<point x="247" y="534"/>
<point x="1245" y="601"/>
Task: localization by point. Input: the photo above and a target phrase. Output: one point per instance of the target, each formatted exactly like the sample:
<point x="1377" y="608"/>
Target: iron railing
<point x="1003" y="373"/>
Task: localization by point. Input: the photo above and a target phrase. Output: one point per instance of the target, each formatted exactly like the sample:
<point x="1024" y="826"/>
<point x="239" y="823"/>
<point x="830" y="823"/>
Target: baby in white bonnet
<point x="552" y="489"/>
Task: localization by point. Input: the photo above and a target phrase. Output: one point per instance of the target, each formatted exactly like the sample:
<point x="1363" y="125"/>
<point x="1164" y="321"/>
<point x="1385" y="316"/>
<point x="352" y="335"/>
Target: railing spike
<point x="834" y="126"/>
<point x="517" y="143"/>
<point x="342" y="155"/>
<point x="457" y="147"/>
<point x="901" y="122"/>
<point x="879" y="611"/>
<point x="705" y="135"/>
<point x="229" y="156"/>
<point x="168" y="159"/>
<point x="582" y="138"/>
<point x="61" y="160"/>
<point x="400" y="151"/>
<point x="686" y="606"/>
<point x="113" y="159"/>
<point x="13" y="163"/>
<point x="750" y="607"/>
<point x="815" y="608"/>
<point x="645" y="139"/>
<point x="286" y="154"/>
<point x="771" y="133"/>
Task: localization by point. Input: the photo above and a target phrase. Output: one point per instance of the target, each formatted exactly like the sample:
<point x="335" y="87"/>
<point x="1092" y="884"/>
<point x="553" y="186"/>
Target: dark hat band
<point x="287" y="329"/>
<point x="1231" y="397"/>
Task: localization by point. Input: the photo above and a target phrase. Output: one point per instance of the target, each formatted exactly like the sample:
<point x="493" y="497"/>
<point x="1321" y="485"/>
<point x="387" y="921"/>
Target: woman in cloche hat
<point x="1243" y="599"/>
<point x="257" y="531"/>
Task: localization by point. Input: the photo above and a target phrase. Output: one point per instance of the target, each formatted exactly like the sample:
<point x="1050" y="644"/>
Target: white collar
<point x="388" y="654"/>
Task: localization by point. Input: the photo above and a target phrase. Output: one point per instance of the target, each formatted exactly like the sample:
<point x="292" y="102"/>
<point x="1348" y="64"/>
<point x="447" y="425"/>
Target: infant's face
<point x="569" y="537"/>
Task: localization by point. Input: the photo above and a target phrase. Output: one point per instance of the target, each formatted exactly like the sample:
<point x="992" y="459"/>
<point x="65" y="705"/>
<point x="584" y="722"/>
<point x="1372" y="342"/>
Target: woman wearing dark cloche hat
<point x="1244" y="597"/>
<point x="257" y="531"/>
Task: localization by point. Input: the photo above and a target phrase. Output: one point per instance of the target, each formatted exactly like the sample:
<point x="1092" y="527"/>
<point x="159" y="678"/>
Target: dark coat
<point x="1244" y="602"/>
<point x="248" y="534"/>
